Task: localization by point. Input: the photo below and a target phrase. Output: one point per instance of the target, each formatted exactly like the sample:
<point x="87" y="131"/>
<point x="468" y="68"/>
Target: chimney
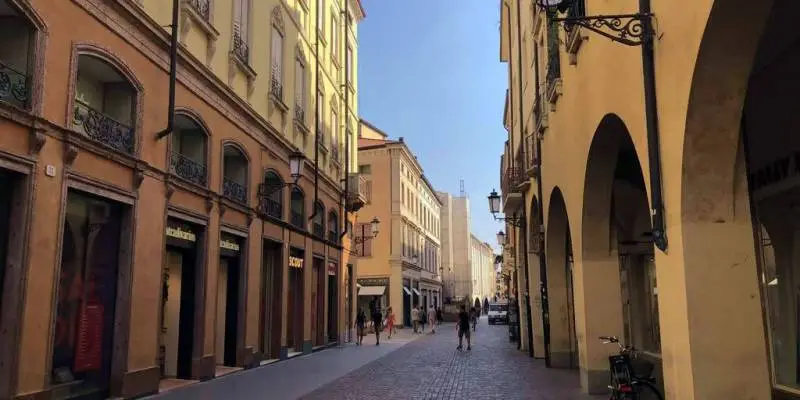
<point x="401" y="139"/>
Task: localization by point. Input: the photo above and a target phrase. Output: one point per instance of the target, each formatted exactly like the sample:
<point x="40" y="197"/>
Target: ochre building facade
<point x="131" y="259"/>
<point x="657" y="204"/>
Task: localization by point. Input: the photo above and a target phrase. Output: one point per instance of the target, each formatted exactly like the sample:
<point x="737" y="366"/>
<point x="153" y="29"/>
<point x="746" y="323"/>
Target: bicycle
<point x="630" y="376"/>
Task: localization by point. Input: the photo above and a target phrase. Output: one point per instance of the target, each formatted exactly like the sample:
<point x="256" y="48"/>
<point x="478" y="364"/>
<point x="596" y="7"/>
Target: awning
<point x="417" y="292"/>
<point x="371" y="290"/>
<point x="405" y="289"/>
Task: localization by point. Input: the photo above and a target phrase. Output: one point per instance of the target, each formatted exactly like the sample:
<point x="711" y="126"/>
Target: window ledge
<point x="278" y="102"/>
<point x="243" y="66"/>
<point x="575" y="39"/>
<point x="321" y="36"/>
<point x="301" y="126"/>
<point x="335" y="60"/>
<point x="204" y="24"/>
<point x="554" y="90"/>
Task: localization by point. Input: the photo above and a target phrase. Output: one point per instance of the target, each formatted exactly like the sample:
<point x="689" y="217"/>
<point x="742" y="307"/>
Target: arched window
<point x="234" y="179"/>
<point x="104" y="104"/>
<point x="333" y="227"/>
<point x="272" y="199"/>
<point x="319" y="220"/>
<point x="298" y="207"/>
<point x="188" y="158"/>
<point x="23" y="31"/>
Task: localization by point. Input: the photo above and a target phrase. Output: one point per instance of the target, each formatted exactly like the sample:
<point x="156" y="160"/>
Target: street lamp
<point x="266" y="189"/>
<point x="628" y="29"/>
<point x="501" y="239"/>
<point x="494" y="208"/>
<point x="363" y="238"/>
<point x="296" y="163"/>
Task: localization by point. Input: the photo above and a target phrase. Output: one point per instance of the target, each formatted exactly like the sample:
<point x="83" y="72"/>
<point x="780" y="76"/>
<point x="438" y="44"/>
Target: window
<point x="241" y="29"/>
<point x="272" y="201"/>
<point x="321" y="16"/>
<point x="276" y="81"/>
<point x="335" y="39"/>
<point x="365" y="169"/>
<point x="334" y="135"/>
<point x="318" y="224"/>
<point x="368" y="190"/>
<point x="333" y="227"/>
<point x="349" y="65"/>
<point x="300" y="90"/>
<point x="320" y="114"/>
<point x="365" y="247"/>
<point x="298" y="208"/>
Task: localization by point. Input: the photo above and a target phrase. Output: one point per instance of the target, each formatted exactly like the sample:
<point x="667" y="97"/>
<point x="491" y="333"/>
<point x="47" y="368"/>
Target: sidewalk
<point x="296" y="377"/>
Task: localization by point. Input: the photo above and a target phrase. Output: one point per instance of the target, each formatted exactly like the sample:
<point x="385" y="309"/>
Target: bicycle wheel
<point x="646" y="391"/>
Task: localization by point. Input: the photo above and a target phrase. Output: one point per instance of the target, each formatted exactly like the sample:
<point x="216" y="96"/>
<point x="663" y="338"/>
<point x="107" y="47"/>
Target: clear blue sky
<point x="430" y="71"/>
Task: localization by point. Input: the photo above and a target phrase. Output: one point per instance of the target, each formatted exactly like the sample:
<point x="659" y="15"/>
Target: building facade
<point x="653" y="187"/>
<point x="456" y="246"/>
<point x="481" y="269"/>
<point x="401" y="267"/>
<point x="137" y="247"/>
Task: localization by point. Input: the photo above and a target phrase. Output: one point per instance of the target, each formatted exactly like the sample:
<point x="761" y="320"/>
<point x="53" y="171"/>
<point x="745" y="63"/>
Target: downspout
<point x="346" y="117"/>
<point x="651" y="117"/>
<point x="523" y="221"/>
<point x="540" y="223"/>
<point x="173" y="73"/>
<point x="316" y="121"/>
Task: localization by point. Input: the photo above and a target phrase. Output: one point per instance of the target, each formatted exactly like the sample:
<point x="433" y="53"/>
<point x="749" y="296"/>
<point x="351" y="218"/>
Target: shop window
<point x="298" y="208"/>
<point x="104" y="104"/>
<point x="188" y="158"/>
<point x="234" y="180"/>
<point x="318" y="223"/>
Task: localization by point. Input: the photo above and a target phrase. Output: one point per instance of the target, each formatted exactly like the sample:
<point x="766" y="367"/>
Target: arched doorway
<point x="740" y="180"/>
<point x="618" y="272"/>
<point x="539" y="317"/>
<point x="563" y="338"/>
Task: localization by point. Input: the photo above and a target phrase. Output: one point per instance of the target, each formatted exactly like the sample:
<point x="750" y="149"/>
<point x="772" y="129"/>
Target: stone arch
<point x="233" y="171"/>
<point x="717" y="226"/>
<point x="613" y="184"/>
<point x="195" y="117"/>
<point x="563" y="339"/>
<point x="272" y="199"/>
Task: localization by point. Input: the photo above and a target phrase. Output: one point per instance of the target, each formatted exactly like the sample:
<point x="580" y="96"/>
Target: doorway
<point x="178" y="299"/>
<point x="318" y="302"/>
<point x="294" y="335"/>
<point x="333" y="303"/>
<point x="6" y="196"/>
<point x="87" y="288"/>
<point x="348" y="303"/>
<point x="229" y="290"/>
<point x="271" y="289"/>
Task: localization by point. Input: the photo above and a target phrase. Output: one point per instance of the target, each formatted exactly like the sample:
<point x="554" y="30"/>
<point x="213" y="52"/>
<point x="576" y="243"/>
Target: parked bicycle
<point x="631" y="377"/>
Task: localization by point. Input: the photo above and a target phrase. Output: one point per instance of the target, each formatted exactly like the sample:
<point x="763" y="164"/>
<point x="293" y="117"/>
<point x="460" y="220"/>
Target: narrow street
<point x="407" y="367"/>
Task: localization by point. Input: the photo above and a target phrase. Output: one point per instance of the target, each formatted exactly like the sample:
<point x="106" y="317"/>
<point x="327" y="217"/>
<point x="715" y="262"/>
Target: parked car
<point x="498" y="312"/>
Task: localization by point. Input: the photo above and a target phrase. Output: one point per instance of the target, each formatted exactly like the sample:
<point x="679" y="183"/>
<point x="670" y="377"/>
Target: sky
<point x="430" y="71"/>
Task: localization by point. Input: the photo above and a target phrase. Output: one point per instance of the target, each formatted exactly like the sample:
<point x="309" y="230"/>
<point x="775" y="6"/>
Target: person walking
<point x="474" y="315"/>
<point x="423" y="318"/>
<point x="432" y="318"/>
<point x="377" y="322"/>
<point x="361" y="322"/>
<point x="463" y="328"/>
<point x="439" y="315"/>
<point x="390" y="321"/>
<point x="415" y="318"/>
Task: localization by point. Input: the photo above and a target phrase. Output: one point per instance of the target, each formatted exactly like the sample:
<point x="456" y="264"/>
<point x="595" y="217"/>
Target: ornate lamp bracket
<point x="513" y="221"/>
<point x="628" y="29"/>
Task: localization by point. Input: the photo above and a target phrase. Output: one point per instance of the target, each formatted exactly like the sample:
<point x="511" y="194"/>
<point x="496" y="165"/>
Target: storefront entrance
<point x="406" y="302"/>
<point x="333" y="331"/>
<point x="271" y="289"/>
<point x="294" y="335"/>
<point x="229" y="290"/>
<point x="87" y="289"/>
<point x="6" y="196"/>
<point x="318" y="302"/>
<point x="179" y="299"/>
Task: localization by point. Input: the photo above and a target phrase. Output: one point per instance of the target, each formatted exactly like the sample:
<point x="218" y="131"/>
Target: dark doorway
<point x="179" y="299"/>
<point x="348" y="302"/>
<point x="333" y="303"/>
<point x="406" y="302"/>
<point x="294" y="336"/>
<point x="271" y="289"/>
<point x="6" y="196"/>
<point x="318" y="302"/>
<point x="87" y="289"/>
<point x="228" y="294"/>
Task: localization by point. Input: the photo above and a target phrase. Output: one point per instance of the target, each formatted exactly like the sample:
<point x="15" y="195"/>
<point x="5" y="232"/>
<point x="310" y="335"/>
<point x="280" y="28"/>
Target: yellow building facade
<point x="399" y="267"/>
<point x="649" y="190"/>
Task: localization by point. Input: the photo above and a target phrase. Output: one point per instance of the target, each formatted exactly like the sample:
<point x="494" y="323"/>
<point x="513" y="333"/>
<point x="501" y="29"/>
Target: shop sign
<point x="228" y="245"/>
<point x="331" y="268"/>
<point x="295" y="262"/>
<point x="373" y="281"/>
<point x="181" y="233"/>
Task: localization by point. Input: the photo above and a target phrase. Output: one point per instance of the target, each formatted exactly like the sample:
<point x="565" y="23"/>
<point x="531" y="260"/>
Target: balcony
<point x="275" y="86"/>
<point x="14" y="86"/>
<point x="511" y="184"/>
<point x="298" y="209"/>
<point x="102" y="128"/>
<point x="17" y="36"/>
<point x="270" y="196"/>
<point x="531" y="159"/>
<point x="202" y="8"/>
<point x="234" y="181"/>
<point x="358" y="192"/>
<point x="188" y="158"/>
<point x="241" y="50"/>
<point x="103" y="109"/>
<point x="554" y="83"/>
<point x="335" y="154"/>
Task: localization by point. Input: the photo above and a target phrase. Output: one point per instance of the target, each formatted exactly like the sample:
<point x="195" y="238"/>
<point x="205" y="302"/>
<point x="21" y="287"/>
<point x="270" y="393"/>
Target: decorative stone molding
<point x="250" y="218"/>
<point x="70" y="154"/>
<point x="277" y="19"/>
<point x="138" y="178"/>
<point x="575" y="39"/>
<point x="209" y="205"/>
<point x="222" y="208"/>
<point x="170" y="190"/>
<point x="36" y="140"/>
<point x="554" y="90"/>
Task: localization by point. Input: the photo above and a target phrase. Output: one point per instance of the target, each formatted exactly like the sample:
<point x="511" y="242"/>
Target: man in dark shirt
<point x="463" y="328"/>
<point x="377" y="321"/>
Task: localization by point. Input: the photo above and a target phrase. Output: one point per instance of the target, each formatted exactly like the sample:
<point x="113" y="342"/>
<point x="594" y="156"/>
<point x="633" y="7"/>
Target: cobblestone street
<point x="407" y="367"/>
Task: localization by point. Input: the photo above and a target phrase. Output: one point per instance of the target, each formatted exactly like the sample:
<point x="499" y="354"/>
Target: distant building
<point x="456" y="246"/>
<point x="482" y="269"/>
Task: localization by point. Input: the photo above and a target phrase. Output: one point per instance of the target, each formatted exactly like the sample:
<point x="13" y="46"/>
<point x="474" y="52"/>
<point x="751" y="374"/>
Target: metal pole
<point x="173" y="72"/>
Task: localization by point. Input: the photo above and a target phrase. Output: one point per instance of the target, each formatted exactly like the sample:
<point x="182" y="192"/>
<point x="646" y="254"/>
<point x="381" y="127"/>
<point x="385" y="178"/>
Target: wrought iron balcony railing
<point x="335" y="153"/>
<point x="318" y="230"/>
<point x="299" y="114"/>
<point x="530" y="154"/>
<point x="269" y="203"/>
<point x="333" y="236"/>
<point x="512" y="179"/>
<point x="202" y="7"/>
<point x="275" y="85"/>
<point x="102" y="128"/>
<point x="298" y="219"/>
<point x="14" y="86"/>
<point x="240" y="47"/>
<point x="358" y="191"/>
<point x="234" y="190"/>
<point x="188" y="169"/>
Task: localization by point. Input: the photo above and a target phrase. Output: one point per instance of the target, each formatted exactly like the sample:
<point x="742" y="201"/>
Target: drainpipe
<point x="173" y="73"/>
<point x="653" y="146"/>
<point x="347" y="67"/>
<point x="316" y="120"/>
<point x="523" y="221"/>
<point x="540" y="223"/>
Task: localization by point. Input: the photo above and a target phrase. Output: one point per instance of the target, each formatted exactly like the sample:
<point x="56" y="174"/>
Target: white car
<point x="498" y="312"/>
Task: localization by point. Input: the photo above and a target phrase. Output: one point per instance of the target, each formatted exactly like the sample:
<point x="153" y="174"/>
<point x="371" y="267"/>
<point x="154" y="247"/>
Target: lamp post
<point x="362" y="240"/>
<point x="296" y="164"/>
<point x="630" y="30"/>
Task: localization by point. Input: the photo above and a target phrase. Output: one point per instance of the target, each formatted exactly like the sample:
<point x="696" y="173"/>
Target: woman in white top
<point x="432" y="318"/>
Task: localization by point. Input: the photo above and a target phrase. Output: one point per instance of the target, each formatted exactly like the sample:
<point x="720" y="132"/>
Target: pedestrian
<point x="463" y="328"/>
<point x="432" y="318"/>
<point x="377" y="322"/>
<point x="423" y="318"/>
<point x="439" y="315"/>
<point x="415" y="318"/>
<point x="390" y="321"/>
<point x="473" y="313"/>
<point x="361" y="321"/>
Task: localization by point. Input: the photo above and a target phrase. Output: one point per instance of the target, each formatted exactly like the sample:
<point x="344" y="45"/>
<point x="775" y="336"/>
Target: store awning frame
<point x="416" y="291"/>
<point x="405" y="289"/>
<point x="372" y="290"/>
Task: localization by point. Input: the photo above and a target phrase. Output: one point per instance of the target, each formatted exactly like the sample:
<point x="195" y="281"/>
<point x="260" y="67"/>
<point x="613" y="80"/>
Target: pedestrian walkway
<point x="294" y="378"/>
